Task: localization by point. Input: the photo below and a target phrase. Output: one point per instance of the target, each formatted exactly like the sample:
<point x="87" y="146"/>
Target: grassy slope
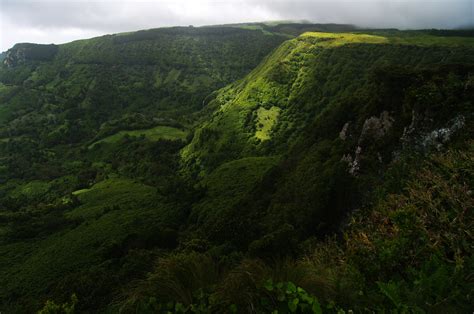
<point x="154" y="134"/>
<point x="269" y="85"/>
<point x="266" y="119"/>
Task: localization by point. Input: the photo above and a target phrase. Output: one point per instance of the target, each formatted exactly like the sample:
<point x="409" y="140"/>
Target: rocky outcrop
<point x="353" y="163"/>
<point x="22" y="53"/>
<point x="421" y="135"/>
<point x="14" y="57"/>
<point x="439" y="137"/>
<point x="373" y="129"/>
<point x="345" y="131"/>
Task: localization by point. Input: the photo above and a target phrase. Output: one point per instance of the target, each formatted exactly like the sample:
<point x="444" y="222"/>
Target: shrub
<point x="416" y="241"/>
<point x="51" y="307"/>
<point x="180" y="278"/>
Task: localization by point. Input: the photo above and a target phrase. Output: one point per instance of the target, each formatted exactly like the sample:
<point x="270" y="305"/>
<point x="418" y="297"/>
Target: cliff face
<point x="22" y="53"/>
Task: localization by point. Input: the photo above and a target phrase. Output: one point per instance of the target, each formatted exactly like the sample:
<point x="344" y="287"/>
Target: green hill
<point x="240" y="168"/>
<point x="71" y="92"/>
<point x="302" y="78"/>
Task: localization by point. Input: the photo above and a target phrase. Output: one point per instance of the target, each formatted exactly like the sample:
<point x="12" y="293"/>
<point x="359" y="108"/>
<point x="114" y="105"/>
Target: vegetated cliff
<point x="337" y="110"/>
<point x="351" y="133"/>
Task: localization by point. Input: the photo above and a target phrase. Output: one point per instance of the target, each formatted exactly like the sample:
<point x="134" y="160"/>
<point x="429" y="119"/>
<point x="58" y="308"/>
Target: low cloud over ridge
<point x="58" y="21"/>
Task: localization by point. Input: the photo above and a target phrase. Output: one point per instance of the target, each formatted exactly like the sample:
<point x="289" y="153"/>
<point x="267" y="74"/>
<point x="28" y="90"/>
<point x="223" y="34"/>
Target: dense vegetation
<point x="242" y="168"/>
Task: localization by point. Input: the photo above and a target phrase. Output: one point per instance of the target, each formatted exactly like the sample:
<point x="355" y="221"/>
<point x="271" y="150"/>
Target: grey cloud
<point x="104" y="16"/>
<point x="48" y="20"/>
<point x="378" y="13"/>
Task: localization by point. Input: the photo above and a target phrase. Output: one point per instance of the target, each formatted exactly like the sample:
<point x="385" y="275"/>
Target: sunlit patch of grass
<point x="266" y="119"/>
<point x="339" y="39"/>
<point x="154" y="134"/>
<point x="400" y="38"/>
<point x="78" y="192"/>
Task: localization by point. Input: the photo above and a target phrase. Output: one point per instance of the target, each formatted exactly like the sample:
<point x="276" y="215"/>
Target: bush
<point x="179" y="278"/>
<point x="53" y="308"/>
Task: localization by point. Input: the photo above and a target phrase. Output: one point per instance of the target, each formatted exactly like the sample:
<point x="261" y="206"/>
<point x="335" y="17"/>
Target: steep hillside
<point x="267" y="111"/>
<point x="338" y="108"/>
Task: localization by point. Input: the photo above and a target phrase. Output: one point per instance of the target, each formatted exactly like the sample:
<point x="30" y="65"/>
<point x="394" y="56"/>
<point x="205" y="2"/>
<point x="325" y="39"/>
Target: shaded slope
<point x="346" y="103"/>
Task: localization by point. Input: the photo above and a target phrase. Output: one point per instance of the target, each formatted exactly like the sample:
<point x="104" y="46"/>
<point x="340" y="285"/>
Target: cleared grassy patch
<point x="154" y="134"/>
<point x="339" y="39"/>
<point x="266" y="119"/>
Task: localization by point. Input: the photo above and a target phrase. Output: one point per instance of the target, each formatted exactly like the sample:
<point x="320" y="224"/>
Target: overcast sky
<point x="58" y="21"/>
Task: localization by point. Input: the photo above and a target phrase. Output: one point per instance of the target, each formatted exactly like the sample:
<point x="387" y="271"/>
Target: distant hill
<point x="295" y="28"/>
<point x="163" y="73"/>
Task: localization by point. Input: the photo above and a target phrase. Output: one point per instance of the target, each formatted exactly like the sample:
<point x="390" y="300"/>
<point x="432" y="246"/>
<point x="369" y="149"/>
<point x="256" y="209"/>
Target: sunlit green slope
<point x="265" y="112"/>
